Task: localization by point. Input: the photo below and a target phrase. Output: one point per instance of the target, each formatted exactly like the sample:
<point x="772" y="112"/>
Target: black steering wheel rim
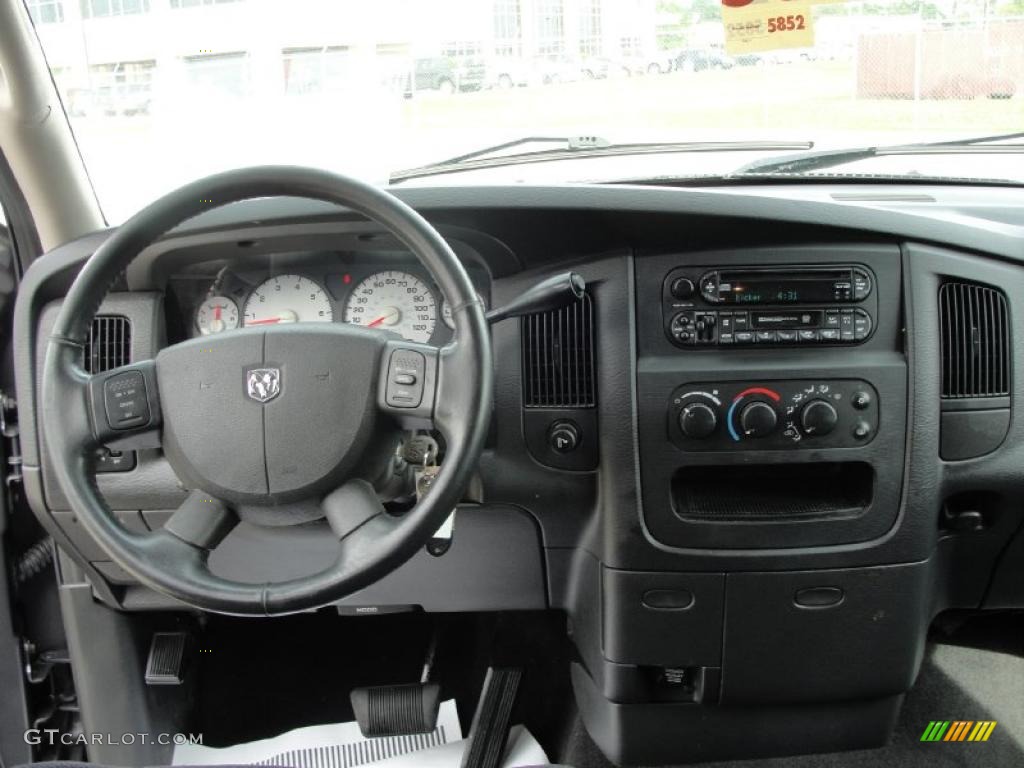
<point x="373" y="542"/>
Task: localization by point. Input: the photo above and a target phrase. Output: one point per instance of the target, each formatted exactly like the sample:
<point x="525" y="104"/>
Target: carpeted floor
<point x="956" y="682"/>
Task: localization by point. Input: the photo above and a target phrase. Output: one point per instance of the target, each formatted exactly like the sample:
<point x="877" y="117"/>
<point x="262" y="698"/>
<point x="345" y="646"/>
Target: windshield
<point x="160" y="92"/>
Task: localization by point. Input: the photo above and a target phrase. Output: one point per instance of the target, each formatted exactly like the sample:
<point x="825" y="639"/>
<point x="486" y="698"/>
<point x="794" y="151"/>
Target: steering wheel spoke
<point x="202" y="521"/>
<point x="350" y="507"/>
<point x="124" y="406"/>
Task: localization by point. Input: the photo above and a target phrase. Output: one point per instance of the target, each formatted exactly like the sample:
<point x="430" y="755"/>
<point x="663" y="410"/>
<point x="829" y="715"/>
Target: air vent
<point x="109" y="344"/>
<point x="558" y="357"/>
<point x="975" y="333"/>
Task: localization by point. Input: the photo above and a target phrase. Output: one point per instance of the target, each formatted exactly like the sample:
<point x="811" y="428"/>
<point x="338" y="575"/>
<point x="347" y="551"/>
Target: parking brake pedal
<point x="166" y="663"/>
<point x="399" y="710"/>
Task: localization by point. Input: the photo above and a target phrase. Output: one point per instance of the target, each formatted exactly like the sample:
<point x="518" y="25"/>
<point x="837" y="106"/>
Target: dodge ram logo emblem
<point x="263" y="384"/>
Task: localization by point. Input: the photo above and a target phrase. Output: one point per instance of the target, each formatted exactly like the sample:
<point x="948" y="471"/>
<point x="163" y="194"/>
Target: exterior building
<point x="111" y="56"/>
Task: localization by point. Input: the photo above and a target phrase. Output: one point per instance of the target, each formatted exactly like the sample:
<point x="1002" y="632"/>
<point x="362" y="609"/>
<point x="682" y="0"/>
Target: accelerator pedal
<point x="489" y="731"/>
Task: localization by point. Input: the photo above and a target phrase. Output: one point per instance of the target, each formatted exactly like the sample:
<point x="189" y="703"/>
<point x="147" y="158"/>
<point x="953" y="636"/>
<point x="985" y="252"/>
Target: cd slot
<point x="810" y="318"/>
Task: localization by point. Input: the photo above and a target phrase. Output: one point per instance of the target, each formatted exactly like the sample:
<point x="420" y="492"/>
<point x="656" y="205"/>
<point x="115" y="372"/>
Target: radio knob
<point x="758" y="419"/>
<point x="682" y="288"/>
<point x="698" y="420"/>
<point x="818" y="417"/>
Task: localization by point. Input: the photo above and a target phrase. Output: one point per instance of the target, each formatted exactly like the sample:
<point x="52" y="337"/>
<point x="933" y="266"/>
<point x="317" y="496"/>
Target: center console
<point x="771" y="396"/>
<point x="771" y="410"/>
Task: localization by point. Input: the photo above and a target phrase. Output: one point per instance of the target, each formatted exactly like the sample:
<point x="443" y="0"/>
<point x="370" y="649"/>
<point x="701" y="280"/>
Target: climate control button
<point x="758" y="419"/>
<point x="698" y="420"/>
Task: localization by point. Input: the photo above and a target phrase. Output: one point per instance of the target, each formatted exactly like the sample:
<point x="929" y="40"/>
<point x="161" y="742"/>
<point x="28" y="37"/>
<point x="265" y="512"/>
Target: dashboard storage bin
<point x="824" y="635"/>
<point x="663" y="619"/>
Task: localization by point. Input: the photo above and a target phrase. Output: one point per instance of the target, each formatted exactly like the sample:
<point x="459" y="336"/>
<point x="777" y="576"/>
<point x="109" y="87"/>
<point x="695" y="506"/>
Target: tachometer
<point x="287" y="299"/>
<point x="394" y="300"/>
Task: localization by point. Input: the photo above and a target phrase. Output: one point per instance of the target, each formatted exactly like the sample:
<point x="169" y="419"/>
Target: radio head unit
<point x="705" y="306"/>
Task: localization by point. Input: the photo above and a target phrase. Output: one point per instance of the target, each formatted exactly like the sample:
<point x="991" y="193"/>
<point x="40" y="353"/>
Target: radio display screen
<point x="791" y="288"/>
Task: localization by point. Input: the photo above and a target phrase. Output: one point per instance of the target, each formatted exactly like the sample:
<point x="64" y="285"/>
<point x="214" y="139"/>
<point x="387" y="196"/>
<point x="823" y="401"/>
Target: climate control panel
<point x="773" y="415"/>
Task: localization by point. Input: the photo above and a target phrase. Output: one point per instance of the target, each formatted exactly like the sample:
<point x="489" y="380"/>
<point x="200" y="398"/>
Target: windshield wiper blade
<point x="831" y="158"/>
<point x="583" y="147"/>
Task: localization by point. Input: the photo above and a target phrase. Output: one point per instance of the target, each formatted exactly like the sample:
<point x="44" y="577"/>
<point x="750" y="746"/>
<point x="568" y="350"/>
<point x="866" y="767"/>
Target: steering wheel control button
<point x="564" y="437"/>
<point x="698" y="420"/>
<point x="126" y="401"/>
<point x="405" y="378"/>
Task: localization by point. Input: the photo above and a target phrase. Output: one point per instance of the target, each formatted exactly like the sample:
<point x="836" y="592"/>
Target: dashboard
<point x="779" y="434"/>
<point x="390" y="291"/>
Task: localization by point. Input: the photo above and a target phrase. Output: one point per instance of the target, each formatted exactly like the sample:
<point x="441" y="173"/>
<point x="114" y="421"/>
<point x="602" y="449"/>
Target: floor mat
<point x="336" y="745"/>
<point x="956" y="683"/>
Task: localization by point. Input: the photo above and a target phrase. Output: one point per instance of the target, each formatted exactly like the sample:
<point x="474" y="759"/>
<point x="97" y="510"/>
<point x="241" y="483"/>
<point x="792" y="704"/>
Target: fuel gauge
<point x="216" y="314"/>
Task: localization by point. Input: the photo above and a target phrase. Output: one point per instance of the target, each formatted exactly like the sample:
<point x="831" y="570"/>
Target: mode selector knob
<point x="818" y="417"/>
<point x="698" y="420"/>
<point x="758" y="419"/>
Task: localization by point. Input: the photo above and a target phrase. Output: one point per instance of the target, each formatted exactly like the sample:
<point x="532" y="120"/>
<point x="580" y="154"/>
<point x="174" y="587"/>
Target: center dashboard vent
<point x="558" y="357"/>
<point x="109" y="344"/>
<point x="975" y="337"/>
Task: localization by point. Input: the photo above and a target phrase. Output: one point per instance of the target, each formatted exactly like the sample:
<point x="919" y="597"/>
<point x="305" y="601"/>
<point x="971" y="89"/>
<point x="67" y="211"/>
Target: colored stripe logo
<point x="958" y="730"/>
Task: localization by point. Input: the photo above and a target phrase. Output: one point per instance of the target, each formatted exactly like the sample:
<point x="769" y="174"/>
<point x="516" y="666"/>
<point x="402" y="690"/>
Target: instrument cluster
<point x="393" y="294"/>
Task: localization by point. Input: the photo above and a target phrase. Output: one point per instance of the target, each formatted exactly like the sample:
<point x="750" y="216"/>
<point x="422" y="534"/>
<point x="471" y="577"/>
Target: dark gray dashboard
<point x="657" y="571"/>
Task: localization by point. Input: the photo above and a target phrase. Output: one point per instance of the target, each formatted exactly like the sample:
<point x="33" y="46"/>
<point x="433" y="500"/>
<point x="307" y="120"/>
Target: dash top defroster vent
<point x="558" y="357"/>
<point x="975" y="337"/>
<point x="109" y="344"/>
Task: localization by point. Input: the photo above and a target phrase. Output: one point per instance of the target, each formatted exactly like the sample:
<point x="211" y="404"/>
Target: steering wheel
<point x="269" y="417"/>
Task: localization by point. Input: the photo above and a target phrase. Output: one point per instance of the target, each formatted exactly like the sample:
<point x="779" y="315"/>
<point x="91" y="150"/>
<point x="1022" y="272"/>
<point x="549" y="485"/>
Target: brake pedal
<point x="166" y="662"/>
<point x="396" y="710"/>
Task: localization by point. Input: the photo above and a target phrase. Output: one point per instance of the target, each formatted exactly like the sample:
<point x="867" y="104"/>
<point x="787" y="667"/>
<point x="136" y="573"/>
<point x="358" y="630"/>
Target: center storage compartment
<point x="772" y="492"/>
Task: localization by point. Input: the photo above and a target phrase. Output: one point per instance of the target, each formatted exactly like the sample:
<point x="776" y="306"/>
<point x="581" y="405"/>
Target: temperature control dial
<point x="698" y="420"/>
<point x="758" y="419"/>
<point x="818" y="418"/>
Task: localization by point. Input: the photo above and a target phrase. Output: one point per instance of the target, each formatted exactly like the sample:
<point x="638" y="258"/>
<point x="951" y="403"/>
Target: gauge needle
<point x="285" y="317"/>
<point x="393" y="312"/>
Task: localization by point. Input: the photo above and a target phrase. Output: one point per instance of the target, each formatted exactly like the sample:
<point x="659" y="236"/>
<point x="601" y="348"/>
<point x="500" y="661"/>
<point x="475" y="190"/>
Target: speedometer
<point x="287" y="299"/>
<point x="396" y="301"/>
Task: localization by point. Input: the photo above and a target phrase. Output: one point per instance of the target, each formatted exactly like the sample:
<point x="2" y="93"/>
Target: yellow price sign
<point x="768" y="26"/>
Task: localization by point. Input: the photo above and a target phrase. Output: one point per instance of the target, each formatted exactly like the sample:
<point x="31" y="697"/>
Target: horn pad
<point x="270" y="415"/>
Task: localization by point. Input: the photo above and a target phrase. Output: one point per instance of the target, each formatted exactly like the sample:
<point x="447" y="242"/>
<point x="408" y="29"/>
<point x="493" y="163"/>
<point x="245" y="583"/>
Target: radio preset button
<point x="744" y="337"/>
<point x="861" y="325"/>
<point x="829" y="334"/>
<point x="806" y="335"/>
<point x="786" y="337"/>
<point x="765" y="337"/>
